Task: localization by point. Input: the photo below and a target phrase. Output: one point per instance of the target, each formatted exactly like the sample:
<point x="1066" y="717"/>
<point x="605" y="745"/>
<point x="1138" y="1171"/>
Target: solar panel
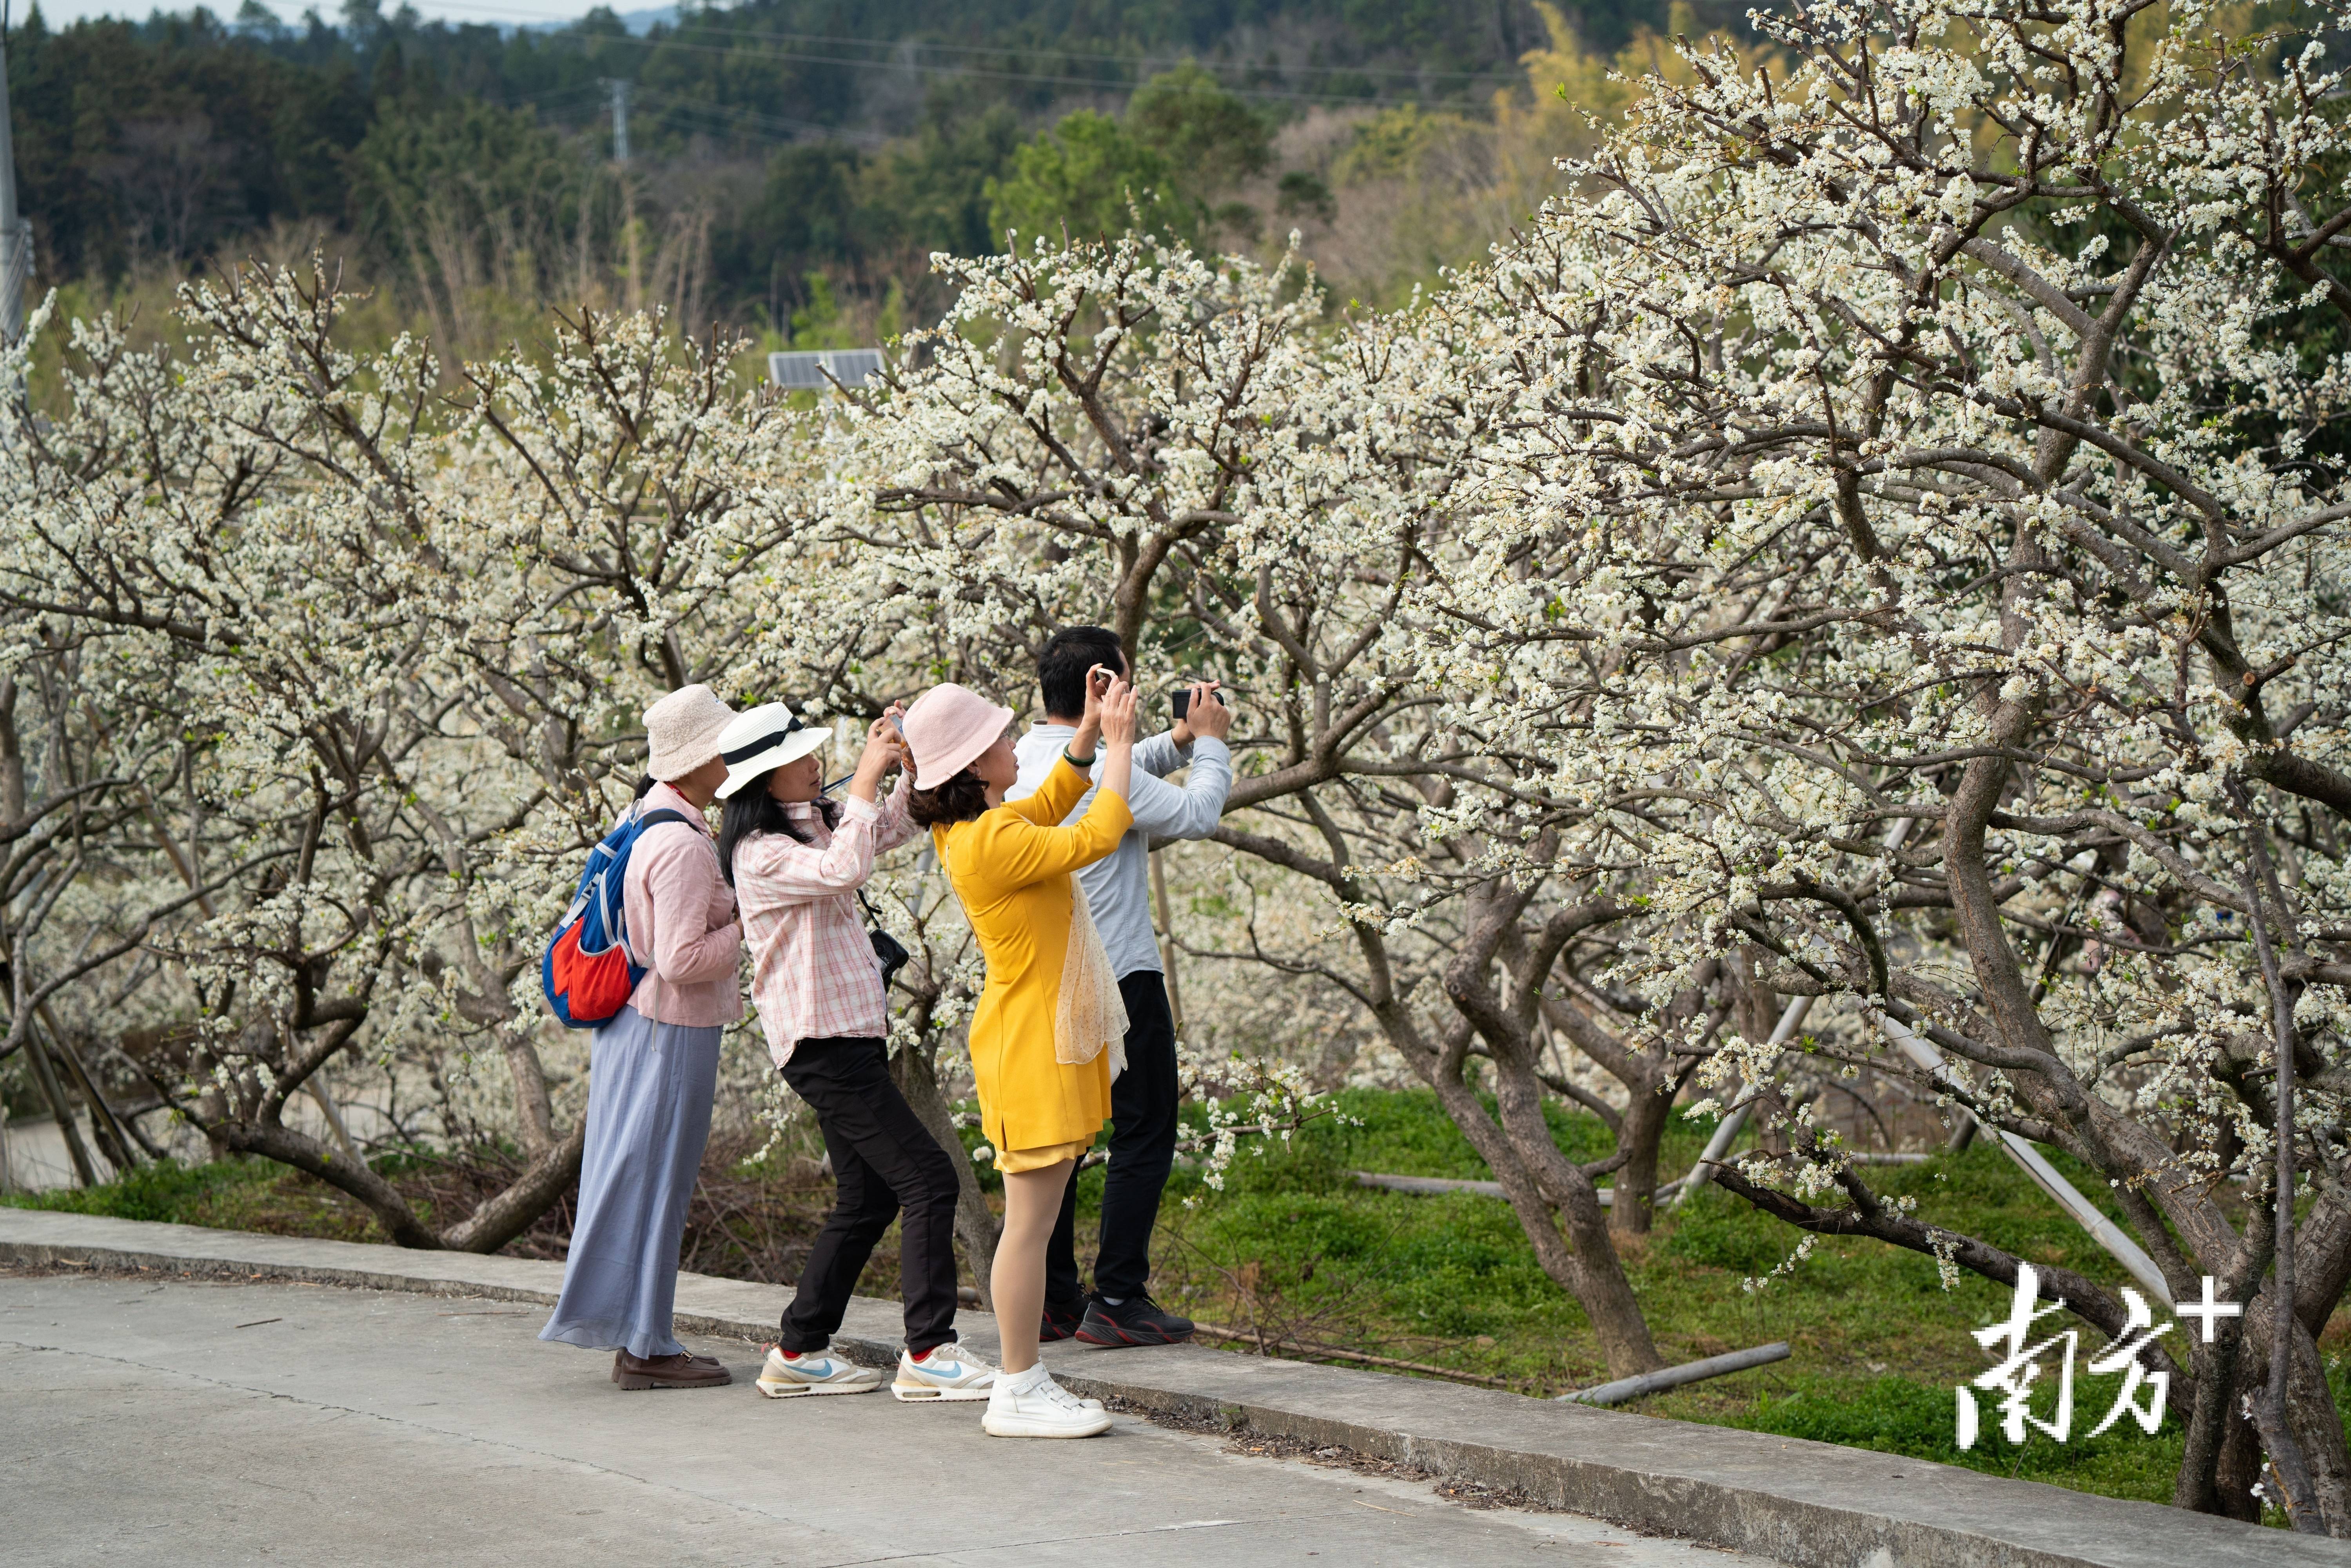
<point x="818" y="370"/>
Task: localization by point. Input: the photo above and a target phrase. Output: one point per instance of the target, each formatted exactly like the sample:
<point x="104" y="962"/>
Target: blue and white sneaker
<point x="948" y="1371"/>
<point x="791" y="1376"/>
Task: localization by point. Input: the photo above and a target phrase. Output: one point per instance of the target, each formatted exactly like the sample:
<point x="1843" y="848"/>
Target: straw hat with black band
<point x="762" y="739"/>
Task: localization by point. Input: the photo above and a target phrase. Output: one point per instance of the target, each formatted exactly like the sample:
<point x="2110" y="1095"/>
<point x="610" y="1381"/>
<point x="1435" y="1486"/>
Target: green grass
<point x="1879" y="1346"/>
<point x="229" y="1195"/>
<point x="1294" y="1246"/>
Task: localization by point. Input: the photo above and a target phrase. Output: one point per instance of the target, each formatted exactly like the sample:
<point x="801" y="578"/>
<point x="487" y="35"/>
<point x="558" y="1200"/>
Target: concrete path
<point x="1815" y="1505"/>
<point x="198" y="1422"/>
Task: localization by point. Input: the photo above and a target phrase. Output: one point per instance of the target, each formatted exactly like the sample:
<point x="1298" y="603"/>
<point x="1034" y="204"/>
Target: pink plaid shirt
<point x="813" y="973"/>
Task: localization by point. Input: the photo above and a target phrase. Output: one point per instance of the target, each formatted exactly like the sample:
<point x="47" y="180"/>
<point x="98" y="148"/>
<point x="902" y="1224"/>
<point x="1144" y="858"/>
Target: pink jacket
<point x="813" y="973"/>
<point x="682" y="923"/>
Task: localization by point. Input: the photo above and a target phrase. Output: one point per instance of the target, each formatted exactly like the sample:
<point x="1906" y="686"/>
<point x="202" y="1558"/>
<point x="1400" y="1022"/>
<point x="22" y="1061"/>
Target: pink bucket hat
<point x="948" y="729"/>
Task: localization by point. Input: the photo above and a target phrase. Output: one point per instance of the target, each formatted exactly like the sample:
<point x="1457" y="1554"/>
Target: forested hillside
<point x="793" y="162"/>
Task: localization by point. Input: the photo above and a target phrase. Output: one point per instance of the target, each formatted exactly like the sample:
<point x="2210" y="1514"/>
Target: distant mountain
<point x="638" y="23"/>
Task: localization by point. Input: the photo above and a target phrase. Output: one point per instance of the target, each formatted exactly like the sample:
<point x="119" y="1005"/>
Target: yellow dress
<point x="1011" y="866"/>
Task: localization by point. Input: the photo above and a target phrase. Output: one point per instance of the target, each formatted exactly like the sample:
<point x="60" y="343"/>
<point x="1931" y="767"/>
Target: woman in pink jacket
<point x="797" y="862"/>
<point x="653" y="1071"/>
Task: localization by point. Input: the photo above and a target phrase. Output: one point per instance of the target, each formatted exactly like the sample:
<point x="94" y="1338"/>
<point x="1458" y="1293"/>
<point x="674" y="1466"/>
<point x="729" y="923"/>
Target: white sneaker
<point x="1042" y="1409"/>
<point x="789" y="1377"/>
<point x="948" y="1373"/>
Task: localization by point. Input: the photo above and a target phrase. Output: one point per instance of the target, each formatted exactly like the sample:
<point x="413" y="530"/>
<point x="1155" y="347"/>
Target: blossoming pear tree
<point x="358" y="662"/>
<point x="1126" y="433"/>
<point x="1914" y="564"/>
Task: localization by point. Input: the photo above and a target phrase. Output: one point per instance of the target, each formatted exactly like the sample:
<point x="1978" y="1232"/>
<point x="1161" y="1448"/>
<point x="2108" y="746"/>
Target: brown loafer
<point x="710" y="1362"/>
<point x="679" y="1371"/>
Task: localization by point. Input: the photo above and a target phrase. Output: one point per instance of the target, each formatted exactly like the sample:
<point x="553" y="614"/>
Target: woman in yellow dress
<point x="1050" y="1029"/>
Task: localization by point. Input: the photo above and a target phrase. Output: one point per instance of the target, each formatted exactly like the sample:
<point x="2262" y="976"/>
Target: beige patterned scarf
<point x="1092" y="1015"/>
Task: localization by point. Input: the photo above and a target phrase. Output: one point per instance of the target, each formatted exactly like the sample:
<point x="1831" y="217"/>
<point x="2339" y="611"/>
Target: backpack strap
<point x="655" y="818"/>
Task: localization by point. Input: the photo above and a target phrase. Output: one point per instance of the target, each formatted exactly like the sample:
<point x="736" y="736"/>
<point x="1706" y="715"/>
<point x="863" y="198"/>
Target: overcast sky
<point x="57" y="12"/>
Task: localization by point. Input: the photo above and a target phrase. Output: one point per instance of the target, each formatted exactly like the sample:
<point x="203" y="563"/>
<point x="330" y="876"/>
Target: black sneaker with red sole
<point x="1138" y="1319"/>
<point x="1060" y="1322"/>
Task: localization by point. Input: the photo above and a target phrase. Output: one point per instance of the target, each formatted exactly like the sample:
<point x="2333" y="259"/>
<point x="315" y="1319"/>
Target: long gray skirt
<point x="649" y="1090"/>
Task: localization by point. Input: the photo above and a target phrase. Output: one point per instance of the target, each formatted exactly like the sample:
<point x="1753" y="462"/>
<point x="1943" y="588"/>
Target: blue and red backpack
<point x="587" y="973"/>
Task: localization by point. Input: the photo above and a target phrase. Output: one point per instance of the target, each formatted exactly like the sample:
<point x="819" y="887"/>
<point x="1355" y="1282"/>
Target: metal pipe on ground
<point x="2085" y="1213"/>
<point x="2079" y="1210"/>
<point x="1726" y="1132"/>
<point x="1431" y="1186"/>
<point x="1626" y="1388"/>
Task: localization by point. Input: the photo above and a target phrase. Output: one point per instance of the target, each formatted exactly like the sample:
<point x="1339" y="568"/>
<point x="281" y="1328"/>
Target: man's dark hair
<point x="1068" y="655"/>
<point x="959" y="799"/>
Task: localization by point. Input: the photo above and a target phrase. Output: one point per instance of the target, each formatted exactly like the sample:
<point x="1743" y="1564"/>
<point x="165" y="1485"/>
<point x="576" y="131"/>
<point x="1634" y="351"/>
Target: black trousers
<point x="882" y="1158"/>
<point x="1142" y="1149"/>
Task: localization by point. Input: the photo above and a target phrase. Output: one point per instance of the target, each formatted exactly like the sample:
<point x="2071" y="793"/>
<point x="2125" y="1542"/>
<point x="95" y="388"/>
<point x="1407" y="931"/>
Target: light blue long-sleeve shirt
<point x="1118" y="885"/>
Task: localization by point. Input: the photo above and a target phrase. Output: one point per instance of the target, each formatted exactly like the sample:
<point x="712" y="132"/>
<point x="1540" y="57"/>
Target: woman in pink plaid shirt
<point x="796" y="861"/>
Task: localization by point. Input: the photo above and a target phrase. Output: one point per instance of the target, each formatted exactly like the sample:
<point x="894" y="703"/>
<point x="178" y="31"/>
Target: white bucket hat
<point x="683" y="730"/>
<point x="763" y="737"/>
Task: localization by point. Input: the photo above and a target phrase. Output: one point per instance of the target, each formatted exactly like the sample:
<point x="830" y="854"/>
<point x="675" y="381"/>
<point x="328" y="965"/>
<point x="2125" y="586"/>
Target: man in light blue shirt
<point x="1142" y="1098"/>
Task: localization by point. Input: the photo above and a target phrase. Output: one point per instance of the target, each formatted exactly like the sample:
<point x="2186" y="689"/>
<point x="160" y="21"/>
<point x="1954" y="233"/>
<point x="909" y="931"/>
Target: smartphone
<point x="1183" y="701"/>
<point x="898" y="723"/>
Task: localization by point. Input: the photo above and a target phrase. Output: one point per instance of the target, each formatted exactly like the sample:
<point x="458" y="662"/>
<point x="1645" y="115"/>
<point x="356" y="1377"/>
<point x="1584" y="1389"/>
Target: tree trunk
<point x="2311" y="1411"/>
<point x="1639" y="1135"/>
<point x="2237" y="1467"/>
<point x="104" y="1124"/>
<point x="287" y="1147"/>
<point x="44" y="1077"/>
<point x="500" y="1219"/>
<point x="1583" y="1262"/>
<point x="534" y="1107"/>
<point x="2212" y="1429"/>
<point x="976" y="1225"/>
<point x="2317" y="1426"/>
<point x="1597" y="1275"/>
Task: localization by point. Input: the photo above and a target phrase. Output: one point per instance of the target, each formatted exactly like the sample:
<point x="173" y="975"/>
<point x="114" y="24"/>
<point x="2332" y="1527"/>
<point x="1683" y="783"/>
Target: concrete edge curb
<point x="1717" y="1493"/>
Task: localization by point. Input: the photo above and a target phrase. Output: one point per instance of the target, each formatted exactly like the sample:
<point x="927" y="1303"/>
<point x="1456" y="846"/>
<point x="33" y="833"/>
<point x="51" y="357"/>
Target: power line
<point x="677" y="103"/>
<point x="804" y="58"/>
<point x="1414" y="73"/>
<point x="700" y="24"/>
<point x="552" y="95"/>
<point x="1097" y="82"/>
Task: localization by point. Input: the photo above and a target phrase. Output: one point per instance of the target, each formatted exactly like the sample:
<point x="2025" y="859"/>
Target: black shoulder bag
<point x="888" y="949"/>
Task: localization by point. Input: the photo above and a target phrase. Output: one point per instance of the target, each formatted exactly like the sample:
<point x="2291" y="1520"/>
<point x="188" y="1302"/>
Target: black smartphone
<point x="1183" y="701"/>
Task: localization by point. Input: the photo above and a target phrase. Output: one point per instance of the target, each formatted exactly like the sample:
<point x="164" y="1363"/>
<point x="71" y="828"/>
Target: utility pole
<point x="15" y="234"/>
<point x="632" y="293"/>
<point x="620" y="118"/>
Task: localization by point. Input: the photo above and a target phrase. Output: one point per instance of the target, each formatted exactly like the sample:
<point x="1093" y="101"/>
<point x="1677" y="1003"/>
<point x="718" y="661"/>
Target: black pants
<point x="882" y="1157"/>
<point x="1142" y="1148"/>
